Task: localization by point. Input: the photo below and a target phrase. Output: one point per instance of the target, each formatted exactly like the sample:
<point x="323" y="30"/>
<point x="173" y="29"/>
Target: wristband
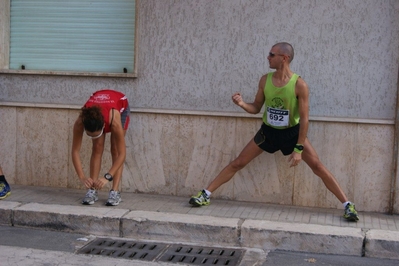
<point x="298" y="148"/>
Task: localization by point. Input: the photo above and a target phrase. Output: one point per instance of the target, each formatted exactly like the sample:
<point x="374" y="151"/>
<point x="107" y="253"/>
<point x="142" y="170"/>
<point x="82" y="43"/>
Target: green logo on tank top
<point x="277" y="103"/>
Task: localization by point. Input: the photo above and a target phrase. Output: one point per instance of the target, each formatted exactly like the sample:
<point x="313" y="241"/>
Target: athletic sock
<point x="346" y="203"/>
<point x="208" y="193"/>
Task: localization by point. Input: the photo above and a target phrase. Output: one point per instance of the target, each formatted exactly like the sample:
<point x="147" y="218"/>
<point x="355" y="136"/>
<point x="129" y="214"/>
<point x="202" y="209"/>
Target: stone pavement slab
<point x="224" y="222"/>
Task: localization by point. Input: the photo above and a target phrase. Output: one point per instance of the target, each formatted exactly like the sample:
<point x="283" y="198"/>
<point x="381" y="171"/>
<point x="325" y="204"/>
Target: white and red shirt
<point x="107" y="99"/>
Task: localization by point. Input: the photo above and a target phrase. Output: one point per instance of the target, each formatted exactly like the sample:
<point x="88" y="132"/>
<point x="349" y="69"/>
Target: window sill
<point x="205" y="113"/>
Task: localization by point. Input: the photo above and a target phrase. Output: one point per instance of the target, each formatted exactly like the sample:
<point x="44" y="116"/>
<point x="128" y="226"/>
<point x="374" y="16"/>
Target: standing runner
<point x="106" y="111"/>
<point x="285" y="126"/>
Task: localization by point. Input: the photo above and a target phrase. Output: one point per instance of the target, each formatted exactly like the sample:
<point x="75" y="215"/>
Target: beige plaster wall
<point x="180" y="154"/>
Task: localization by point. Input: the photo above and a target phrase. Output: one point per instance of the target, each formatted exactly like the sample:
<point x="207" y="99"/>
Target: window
<point x="74" y="37"/>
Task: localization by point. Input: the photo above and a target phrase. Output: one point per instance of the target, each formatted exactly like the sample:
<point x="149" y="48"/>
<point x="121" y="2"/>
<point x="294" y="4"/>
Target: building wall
<point x="192" y="55"/>
<point x="176" y="154"/>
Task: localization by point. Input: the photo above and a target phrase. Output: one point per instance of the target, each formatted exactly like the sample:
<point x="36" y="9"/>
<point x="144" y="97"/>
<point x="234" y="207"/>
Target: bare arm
<point x="257" y="104"/>
<point x="76" y="146"/>
<point x="302" y="93"/>
<point x="117" y="139"/>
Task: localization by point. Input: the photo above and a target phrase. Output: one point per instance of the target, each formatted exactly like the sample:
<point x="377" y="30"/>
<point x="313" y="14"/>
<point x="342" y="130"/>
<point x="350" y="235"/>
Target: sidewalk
<point x="222" y="223"/>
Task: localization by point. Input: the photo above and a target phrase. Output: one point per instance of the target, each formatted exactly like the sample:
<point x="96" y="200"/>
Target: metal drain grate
<point x="202" y="255"/>
<point x="173" y="253"/>
<point x="123" y="249"/>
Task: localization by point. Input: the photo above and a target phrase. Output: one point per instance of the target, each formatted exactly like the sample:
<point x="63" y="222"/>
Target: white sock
<point x="346" y="203"/>
<point x="208" y="193"/>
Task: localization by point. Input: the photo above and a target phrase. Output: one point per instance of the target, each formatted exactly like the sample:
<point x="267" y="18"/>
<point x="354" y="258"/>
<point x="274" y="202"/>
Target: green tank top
<point x="281" y="104"/>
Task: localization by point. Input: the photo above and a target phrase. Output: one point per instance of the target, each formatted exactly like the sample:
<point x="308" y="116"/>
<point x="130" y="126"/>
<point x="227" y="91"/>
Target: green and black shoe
<point x="200" y="200"/>
<point x="351" y="213"/>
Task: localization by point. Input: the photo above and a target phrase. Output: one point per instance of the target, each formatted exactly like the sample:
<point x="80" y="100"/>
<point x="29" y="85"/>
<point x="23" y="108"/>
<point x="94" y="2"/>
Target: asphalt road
<point x="276" y="258"/>
<point x="25" y="246"/>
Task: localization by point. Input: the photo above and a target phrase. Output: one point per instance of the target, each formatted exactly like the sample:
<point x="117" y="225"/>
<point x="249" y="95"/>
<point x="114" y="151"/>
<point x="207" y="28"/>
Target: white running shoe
<point x="114" y="198"/>
<point x="90" y="198"/>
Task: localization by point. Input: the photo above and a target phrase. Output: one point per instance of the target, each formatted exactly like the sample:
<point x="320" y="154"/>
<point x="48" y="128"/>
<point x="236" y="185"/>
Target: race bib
<point x="278" y="117"/>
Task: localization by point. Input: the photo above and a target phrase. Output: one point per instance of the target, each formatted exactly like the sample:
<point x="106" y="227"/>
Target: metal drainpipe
<point x="394" y="174"/>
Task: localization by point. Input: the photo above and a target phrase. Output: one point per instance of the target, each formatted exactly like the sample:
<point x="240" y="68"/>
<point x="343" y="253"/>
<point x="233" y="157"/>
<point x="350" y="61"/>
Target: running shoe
<point x="200" y="200"/>
<point x="114" y="198"/>
<point x="351" y="213"/>
<point x="5" y="190"/>
<point x="90" y="198"/>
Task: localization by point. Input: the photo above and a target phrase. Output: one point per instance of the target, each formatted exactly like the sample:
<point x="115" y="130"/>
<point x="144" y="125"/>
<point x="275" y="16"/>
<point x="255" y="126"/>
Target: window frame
<point x="5" y="19"/>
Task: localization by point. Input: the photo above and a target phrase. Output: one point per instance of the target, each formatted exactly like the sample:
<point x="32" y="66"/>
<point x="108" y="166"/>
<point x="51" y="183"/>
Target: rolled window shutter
<point x="73" y="35"/>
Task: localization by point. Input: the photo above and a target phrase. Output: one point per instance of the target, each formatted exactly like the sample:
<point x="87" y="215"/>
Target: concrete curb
<point x="209" y="230"/>
<point x="302" y="237"/>
<point x="182" y="227"/>
<point x="96" y="221"/>
<point x="7" y="208"/>
<point x="382" y="244"/>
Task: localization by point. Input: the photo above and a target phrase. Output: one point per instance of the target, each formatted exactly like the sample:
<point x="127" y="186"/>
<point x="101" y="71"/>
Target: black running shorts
<point x="271" y="140"/>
